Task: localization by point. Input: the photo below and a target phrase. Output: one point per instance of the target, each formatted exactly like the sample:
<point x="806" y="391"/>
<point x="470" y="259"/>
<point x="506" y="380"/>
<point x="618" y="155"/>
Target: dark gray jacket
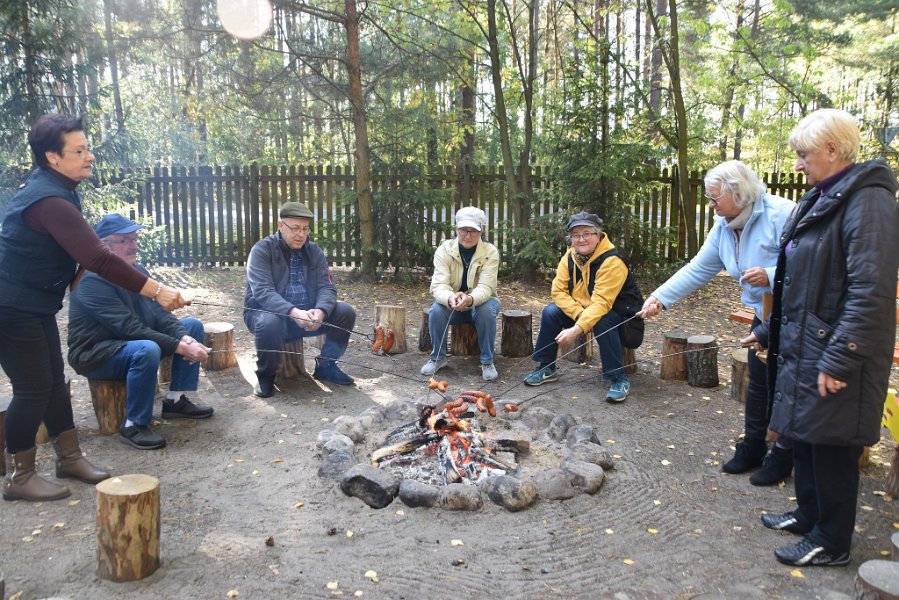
<point x="103" y="316"/>
<point x="268" y="274"/>
<point x="834" y="310"/>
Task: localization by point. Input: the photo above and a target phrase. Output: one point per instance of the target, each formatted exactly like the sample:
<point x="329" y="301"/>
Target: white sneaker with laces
<point x="432" y="366"/>
<point x="488" y="372"/>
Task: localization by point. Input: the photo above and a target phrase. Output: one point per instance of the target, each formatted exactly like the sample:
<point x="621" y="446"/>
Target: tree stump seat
<point x="579" y="351"/>
<point x="739" y="375"/>
<point x="393" y="318"/>
<point x="108" y="399"/>
<point x="464" y="340"/>
<point x="128" y="527"/>
<point x="674" y="357"/>
<point x="518" y="333"/>
<point x="702" y="361"/>
<point x="220" y="337"/>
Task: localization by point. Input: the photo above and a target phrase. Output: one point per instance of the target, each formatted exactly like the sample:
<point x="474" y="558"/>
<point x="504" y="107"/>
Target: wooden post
<point x="702" y="363"/>
<point x="629" y="358"/>
<point x="585" y="353"/>
<point x="394" y="318"/>
<point x="464" y="340"/>
<point x="220" y="337"/>
<point x="877" y="580"/>
<point x="424" y="335"/>
<point x="739" y="375"/>
<point x="291" y="364"/>
<point x="108" y="398"/>
<point x="518" y="333"/>
<point x="127" y="527"/>
<point x="164" y="376"/>
<point x="674" y="361"/>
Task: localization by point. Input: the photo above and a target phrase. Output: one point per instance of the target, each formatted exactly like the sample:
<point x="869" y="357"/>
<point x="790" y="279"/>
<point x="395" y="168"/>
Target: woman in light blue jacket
<point x="744" y="240"/>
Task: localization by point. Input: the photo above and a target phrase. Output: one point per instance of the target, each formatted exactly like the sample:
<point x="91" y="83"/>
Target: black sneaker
<point x="265" y="388"/>
<point x="776" y="467"/>
<point x="141" y="437"/>
<point x="183" y="408"/>
<point x="784" y="522"/>
<point x="806" y="553"/>
<point x="329" y="371"/>
<point x="749" y="455"/>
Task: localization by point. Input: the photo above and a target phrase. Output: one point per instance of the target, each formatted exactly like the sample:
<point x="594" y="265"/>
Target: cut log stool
<point x="127" y="527"/>
<point x="674" y="359"/>
<point x="394" y="318"/>
<point x="629" y="360"/>
<point x="702" y="361"/>
<point x="291" y="364"/>
<point x="739" y="375"/>
<point x="164" y="375"/>
<point x="424" y="335"/>
<point x="464" y="340"/>
<point x="585" y="353"/>
<point x="220" y="337"/>
<point x="518" y="333"/>
<point x="877" y="580"/>
<point x="108" y="398"/>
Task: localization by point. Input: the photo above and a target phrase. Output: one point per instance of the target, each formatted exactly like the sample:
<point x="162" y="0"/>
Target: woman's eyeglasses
<point x="467" y="232"/>
<point x="576" y="237"/>
<point x="81" y="152"/>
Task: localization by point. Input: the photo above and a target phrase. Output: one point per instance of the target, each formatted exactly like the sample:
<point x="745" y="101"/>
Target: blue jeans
<point x="273" y="330"/>
<point x="611" y="354"/>
<point x="137" y="362"/>
<point x="483" y="317"/>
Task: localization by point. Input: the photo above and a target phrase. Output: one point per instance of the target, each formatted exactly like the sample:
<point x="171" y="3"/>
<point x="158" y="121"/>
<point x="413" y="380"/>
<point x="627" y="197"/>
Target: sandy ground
<point x="666" y="524"/>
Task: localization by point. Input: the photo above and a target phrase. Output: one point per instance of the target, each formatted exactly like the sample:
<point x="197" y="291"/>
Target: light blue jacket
<point x="759" y="244"/>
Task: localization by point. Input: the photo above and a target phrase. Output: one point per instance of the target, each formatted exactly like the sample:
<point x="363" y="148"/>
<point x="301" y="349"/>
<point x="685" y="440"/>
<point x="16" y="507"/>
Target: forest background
<point x="601" y="95"/>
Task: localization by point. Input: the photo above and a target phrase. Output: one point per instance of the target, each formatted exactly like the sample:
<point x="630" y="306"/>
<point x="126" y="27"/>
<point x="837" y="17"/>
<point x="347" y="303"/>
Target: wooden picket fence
<point x="214" y="214"/>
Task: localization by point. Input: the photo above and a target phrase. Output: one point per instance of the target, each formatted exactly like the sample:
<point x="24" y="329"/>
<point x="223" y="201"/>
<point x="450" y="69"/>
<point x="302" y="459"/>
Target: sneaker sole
<point x="167" y="415"/>
<point x="542" y="381"/>
<point x="125" y="440"/>
<point x="612" y="400"/>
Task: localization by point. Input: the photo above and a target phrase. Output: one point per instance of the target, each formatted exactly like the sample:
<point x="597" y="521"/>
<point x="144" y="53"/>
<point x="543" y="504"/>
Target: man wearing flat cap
<point x="289" y="283"/>
<point x="593" y="292"/>
<point x="464" y="290"/>
<point x="117" y="334"/>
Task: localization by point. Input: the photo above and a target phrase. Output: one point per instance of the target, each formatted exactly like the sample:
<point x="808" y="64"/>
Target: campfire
<point x="447" y="444"/>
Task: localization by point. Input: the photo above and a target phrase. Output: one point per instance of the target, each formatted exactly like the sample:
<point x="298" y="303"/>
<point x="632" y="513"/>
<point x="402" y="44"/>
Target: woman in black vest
<point x="44" y="238"/>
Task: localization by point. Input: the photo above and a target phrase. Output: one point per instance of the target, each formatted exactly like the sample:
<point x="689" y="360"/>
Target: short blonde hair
<point x="827" y="125"/>
<point x="735" y="177"/>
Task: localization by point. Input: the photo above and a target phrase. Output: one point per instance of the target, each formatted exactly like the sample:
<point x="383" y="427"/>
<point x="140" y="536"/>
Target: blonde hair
<point x="827" y="125"/>
<point x="735" y="177"/>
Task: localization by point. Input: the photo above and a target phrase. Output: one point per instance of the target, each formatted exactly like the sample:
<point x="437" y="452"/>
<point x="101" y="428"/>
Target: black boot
<point x="749" y="455"/>
<point x="777" y="466"/>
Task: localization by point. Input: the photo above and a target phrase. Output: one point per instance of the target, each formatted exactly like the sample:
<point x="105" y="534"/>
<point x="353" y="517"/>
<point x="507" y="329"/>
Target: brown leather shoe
<point x="71" y="463"/>
<point x="23" y="483"/>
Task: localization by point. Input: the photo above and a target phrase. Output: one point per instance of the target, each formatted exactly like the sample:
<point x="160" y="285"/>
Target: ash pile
<point x="449" y="456"/>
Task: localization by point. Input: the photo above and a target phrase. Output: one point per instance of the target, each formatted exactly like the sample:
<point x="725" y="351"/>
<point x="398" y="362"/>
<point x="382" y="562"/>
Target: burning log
<point x="403" y="447"/>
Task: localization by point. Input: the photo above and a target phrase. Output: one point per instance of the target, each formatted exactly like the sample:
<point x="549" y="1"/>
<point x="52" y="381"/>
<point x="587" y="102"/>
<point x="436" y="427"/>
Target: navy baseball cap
<point x="114" y="224"/>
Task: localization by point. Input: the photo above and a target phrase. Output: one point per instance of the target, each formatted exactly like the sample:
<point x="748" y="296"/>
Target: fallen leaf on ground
<point x="797" y="573"/>
<point x="349" y="533"/>
<point x="233" y="593"/>
<point x="74" y="502"/>
<point x="277" y="460"/>
<point x="457" y="543"/>
<point x="372" y="575"/>
<point x="610" y="531"/>
<point x="332" y="585"/>
<point x="299" y="505"/>
<point x="270" y="541"/>
<point x="628" y="561"/>
<point x="652" y="531"/>
<point x="238" y="460"/>
<point x="665" y="462"/>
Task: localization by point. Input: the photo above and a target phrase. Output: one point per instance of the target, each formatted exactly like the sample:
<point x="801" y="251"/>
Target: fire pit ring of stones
<point x="560" y="458"/>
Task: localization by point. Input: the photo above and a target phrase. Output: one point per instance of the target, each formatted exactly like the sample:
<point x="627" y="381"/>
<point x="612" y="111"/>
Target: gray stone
<point x="560" y="425"/>
<point x="400" y="410"/>
<point x="336" y="464"/>
<point x="581" y="433"/>
<point x="537" y="417"/>
<point x="414" y="493"/>
<point x="338" y="442"/>
<point x="349" y="427"/>
<point x="373" y="486"/>
<point x="586" y="476"/>
<point x="323" y="436"/>
<point x="554" y="484"/>
<point x="511" y="493"/>
<point x="372" y="417"/>
<point x="591" y="453"/>
<point x="461" y="496"/>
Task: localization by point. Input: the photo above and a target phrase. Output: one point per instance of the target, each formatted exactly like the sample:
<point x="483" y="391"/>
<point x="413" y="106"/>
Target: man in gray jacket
<point x="290" y="295"/>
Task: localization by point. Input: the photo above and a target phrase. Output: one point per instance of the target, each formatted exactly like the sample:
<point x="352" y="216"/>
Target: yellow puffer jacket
<point x="580" y="305"/>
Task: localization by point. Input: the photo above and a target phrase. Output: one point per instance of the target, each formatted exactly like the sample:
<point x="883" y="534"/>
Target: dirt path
<point x="230" y="482"/>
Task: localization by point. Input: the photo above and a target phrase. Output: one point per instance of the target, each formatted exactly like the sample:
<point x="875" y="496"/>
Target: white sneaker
<point x="432" y="366"/>
<point x="488" y="372"/>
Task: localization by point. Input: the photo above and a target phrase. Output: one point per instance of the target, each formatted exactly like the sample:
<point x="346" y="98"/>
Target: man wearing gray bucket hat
<point x="289" y="283"/>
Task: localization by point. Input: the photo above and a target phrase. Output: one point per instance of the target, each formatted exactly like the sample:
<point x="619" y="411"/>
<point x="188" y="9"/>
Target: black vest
<point x="628" y="302"/>
<point x="34" y="268"/>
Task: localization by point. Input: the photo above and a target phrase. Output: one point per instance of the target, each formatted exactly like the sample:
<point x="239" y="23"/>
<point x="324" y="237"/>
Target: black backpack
<point x="628" y="303"/>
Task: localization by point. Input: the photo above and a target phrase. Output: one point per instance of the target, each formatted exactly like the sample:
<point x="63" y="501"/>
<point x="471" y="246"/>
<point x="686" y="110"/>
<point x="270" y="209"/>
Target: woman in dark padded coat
<point x="831" y="331"/>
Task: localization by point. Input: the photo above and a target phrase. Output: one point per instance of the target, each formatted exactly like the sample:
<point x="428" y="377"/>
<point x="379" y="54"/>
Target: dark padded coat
<point x="834" y="310"/>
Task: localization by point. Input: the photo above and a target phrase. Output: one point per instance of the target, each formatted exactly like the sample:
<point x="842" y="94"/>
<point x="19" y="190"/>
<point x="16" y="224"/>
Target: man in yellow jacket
<point x="593" y="293"/>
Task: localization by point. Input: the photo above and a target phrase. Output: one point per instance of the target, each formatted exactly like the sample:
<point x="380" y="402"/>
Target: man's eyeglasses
<point x="467" y="231"/>
<point x="121" y="241"/>
<point x="81" y="152"/>
<point x="582" y="236"/>
<point x="296" y="228"/>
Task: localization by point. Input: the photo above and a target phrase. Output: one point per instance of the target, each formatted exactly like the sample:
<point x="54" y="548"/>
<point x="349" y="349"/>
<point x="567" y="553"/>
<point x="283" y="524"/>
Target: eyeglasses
<point x="582" y="236"/>
<point x="296" y="228"/>
<point x="81" y="152"/>
<point x="712" y="200"/>
<point x="467" y="231"/>
<point x="119" y="242"/>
